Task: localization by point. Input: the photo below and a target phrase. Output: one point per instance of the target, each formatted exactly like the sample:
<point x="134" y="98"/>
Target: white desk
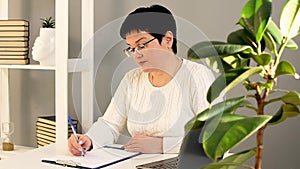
<point x="17" y="150"/>
<point x="32" y="160"/>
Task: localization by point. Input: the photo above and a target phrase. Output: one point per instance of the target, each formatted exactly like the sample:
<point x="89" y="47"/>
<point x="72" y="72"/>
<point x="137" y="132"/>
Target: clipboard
<point x="64" y="163"/>
<point x="95" y="159"/>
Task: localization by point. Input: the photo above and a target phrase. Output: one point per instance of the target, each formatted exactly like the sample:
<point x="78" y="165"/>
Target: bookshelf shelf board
<point x="30" y="67"/>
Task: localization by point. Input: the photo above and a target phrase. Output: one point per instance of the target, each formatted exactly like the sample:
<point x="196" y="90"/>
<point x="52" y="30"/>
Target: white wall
<point x="32" y="92"/>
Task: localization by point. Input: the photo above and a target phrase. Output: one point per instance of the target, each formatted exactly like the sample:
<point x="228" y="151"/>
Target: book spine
<point x="13" y="57"/>
<point x="49" y="126"/>
<point x="47" y="121"/>
<point x="46" y="130"/>
<point x="13" y="28"/>
<point x="44" y="140"/>
<point x="14" y="44"/>
<point x="46" y="137"/>
<point x="13" y="53"/>
<point x="14" y="39"/>
<point x="14" y="22"/>
<point x="14" y="61"/>
<point x="22" y="49"/>
<point x="14" y="33"/>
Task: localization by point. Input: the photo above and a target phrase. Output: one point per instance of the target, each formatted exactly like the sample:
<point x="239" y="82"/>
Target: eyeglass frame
<point x="130" y="51"/>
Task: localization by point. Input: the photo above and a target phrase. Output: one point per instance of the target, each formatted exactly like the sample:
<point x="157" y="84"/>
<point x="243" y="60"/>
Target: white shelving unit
<point x="63" y="67"/>
<point x="31" y="67"/>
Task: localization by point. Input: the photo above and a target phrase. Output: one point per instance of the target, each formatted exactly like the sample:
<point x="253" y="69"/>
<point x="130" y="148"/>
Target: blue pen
<point x="74" y="132"/>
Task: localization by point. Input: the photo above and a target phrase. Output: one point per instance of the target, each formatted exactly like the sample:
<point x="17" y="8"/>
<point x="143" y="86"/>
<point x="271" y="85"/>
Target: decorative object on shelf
<point x="43" y="50"/>
<point x="48" y="22"/>
<point x="253" y="57"/>
<point x="46" y="130"/>
<point x="8" y="130"/>
<point x="14" y="38"/>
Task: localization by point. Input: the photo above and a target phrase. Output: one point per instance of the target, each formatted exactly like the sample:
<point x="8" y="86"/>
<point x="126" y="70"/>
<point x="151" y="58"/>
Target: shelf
<point x="32" y="66"/>
<point x="74" y="65"/>
<point x="63" y="66"/>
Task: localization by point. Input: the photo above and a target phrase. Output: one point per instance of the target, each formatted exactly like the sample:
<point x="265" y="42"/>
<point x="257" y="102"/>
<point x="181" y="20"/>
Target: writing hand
<point x="75" y="147"/>
<point x="145" y="144"/>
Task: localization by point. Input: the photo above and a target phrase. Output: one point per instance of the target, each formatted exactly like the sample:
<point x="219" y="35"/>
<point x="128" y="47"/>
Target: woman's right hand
<point x="84" y="144"/>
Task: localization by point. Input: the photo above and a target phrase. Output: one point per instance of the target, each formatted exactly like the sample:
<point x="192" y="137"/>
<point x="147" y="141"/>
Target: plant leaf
<point x="228" y="80"/>
<point x="264" y="85"/>
<point x="285" y="67"/>
<point x="263" y="59"/>
<point x="232" y="60"/>
<point x="277" y="36"/>
<point x="232" y="130"/>
<point x="233" y="161"/>
<point x="240" y="157"/>
<point x="286" y="111"/>
<point x="210" y="49"/>
<point x="290" y="19"/>
<point x="48" y="22"/>
<point x="193" y="124"/>
<point x="203" y="49"/>
<point x="218" y="64"/>
<point x="293" y="97"/>
<point x="242" y="37"/>
<point x="270" y="42"/>
<point x="255" y="17"/>
<point x="226" y="166"/>
<point x="226" y="106"/>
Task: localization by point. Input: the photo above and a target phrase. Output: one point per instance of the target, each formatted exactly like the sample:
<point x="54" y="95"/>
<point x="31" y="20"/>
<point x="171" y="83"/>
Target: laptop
<point x="191" y="155"/>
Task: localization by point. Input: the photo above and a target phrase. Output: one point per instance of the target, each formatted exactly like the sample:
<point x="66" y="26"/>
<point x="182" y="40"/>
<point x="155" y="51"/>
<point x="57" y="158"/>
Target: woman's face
<point x="150" y="57"/>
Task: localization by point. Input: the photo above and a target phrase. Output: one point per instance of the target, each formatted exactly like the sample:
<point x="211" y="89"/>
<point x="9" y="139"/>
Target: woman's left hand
<point x="145" y="144"/>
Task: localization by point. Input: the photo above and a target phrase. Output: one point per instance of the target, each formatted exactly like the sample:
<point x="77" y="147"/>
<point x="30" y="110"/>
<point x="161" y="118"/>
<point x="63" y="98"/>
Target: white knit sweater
<point x="155" y="111"/>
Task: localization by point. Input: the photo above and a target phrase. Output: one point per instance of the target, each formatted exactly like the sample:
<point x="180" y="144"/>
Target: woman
<point x="155" y="100"/>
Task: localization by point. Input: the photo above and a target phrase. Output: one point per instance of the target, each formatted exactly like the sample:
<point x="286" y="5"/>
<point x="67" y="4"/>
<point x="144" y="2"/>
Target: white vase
<point x="43" y="49"/>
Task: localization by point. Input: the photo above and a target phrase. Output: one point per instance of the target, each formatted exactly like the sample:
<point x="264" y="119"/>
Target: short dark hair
<point x="156" y="20"/>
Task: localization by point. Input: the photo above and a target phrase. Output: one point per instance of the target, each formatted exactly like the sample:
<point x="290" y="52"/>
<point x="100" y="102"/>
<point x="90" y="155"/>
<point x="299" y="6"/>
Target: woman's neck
<point x="159" y="78"/>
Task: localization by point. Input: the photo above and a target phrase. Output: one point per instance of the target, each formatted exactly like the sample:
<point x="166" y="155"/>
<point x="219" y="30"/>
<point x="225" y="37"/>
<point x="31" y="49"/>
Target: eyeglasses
<point x="130" y="51"/>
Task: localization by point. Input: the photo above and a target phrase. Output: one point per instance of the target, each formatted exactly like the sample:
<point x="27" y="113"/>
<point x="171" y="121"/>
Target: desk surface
<point x="32" y="159"/>
<point x="17" y="150"/>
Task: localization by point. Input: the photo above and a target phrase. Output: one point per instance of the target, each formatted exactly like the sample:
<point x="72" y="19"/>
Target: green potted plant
<point x="48" y="22"/>
<point x="253" y="57"/>
<point x="43" y="50"/>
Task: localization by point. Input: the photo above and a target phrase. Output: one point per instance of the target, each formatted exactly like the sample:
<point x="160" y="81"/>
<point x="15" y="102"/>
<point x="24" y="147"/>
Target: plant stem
<point x="260" y="133"/>
<point x="280" y="51"/>
<point x="259" y="148"/>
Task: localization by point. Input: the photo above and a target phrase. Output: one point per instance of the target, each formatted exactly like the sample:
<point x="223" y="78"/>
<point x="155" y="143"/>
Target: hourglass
<point x="7" y="130"/>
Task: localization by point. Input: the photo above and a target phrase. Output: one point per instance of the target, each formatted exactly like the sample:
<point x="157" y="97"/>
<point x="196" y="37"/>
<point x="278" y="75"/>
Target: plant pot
<point x="43" y="49"/>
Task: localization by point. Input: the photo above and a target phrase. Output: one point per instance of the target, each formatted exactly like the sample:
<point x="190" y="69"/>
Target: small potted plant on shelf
<point x="44" y="45"/>
<point x="48" y="22"/>
<point x="253" y="57"/>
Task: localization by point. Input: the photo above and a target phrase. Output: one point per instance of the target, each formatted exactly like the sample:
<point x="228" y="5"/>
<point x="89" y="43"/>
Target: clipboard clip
<point x="67" y="163"/>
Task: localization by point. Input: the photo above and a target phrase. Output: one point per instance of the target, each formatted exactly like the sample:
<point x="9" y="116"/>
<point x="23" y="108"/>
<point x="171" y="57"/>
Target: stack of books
<point x="46" y="130"/>
<point x="14" y="41"/>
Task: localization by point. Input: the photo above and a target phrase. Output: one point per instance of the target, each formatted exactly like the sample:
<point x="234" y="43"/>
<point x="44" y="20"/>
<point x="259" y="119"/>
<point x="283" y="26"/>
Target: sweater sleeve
<point x="108" y="127"/>
<point x="203" y="80"/>
<point x="172" y="144"/>
<point x="101" y="133"/>
<point x="200" y="80"/>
